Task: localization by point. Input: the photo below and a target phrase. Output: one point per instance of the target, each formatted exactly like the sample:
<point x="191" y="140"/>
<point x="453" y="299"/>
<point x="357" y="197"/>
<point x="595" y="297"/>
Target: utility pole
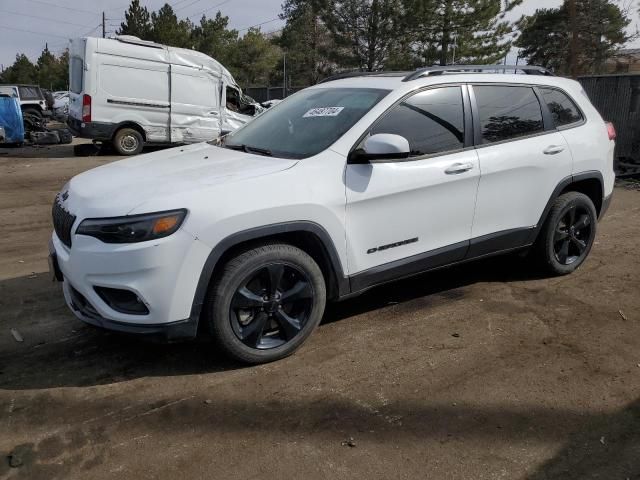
<point x="573" y="45"/>
<point x="284" y="75"/>
<point x="104" y="26"/>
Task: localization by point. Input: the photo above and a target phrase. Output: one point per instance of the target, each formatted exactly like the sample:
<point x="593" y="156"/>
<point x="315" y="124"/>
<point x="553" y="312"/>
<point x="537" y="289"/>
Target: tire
<point x="128" y="141"/>
<point x="33" y="112"/>
<point x="567" y="235"/>
<point x="278" y="316"/>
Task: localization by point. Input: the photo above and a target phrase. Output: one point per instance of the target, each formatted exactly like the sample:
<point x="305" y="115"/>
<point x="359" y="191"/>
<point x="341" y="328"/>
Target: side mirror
<point x="381" y="147"/>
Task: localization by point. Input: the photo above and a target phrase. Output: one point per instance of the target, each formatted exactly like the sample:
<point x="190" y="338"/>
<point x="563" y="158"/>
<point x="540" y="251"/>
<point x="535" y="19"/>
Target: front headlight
<point x="133" y="228"/>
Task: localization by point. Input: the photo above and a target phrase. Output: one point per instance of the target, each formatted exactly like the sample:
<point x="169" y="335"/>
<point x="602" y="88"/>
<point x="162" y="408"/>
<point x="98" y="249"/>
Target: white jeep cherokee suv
<point x="348" y="184"/>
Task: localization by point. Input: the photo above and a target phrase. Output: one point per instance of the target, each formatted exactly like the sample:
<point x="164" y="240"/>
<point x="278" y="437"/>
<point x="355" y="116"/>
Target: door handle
<point x="553" y="150"/>
<point x="458" y="168"/>
<point x="213" y="114"/>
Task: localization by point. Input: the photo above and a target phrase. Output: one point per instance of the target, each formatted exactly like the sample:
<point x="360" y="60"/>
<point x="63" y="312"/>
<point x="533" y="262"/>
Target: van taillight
<point x="86" y="108"/>
<point x="611" y="130"/>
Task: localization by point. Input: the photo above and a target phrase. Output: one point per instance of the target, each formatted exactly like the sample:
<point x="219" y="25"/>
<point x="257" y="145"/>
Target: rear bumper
<point x="93" y="130"/>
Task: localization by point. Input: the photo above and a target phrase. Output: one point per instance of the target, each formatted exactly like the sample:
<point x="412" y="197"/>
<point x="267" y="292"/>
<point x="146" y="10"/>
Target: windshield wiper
<point x="249" y="149"/>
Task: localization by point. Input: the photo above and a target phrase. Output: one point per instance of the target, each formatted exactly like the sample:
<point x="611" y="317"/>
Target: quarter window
<point x="562" y="108"/>
<point x="432" y="121"/>
<point x="507" y="112"/>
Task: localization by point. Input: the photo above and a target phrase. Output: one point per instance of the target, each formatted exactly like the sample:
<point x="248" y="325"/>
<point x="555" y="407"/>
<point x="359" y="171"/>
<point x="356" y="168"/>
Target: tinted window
<point x="308" y="122"/>
<point x="432" y="121"/>
<point x="30" y="93"/>
<point x="76" y="69"/>
<point x="562" y="108"/>
<point x="507" y="112"/>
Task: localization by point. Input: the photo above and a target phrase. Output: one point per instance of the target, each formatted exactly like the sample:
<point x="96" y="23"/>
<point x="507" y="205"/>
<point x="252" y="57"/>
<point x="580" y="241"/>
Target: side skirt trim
<point x="480" y="247"/>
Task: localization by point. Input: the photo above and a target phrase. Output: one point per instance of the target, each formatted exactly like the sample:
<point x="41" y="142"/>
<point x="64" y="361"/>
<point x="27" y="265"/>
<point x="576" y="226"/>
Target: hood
<point x="118" y="188"/>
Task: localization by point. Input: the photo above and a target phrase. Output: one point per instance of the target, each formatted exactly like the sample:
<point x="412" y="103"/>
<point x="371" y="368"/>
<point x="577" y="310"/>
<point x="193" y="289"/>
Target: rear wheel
<point x="568" y="234"/>
<point x="266" y="303"/>
<point x="128" y="141"/>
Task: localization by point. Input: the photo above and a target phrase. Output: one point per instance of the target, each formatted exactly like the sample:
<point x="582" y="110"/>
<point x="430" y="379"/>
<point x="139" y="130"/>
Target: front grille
<point x="62" y="222"/>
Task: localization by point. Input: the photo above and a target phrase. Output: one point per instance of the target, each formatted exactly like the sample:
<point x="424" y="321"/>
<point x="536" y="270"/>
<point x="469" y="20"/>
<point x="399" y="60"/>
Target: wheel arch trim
<point x="562" y="185"/>
<point x="128" y="124"/>
<point x="235" y="239"/>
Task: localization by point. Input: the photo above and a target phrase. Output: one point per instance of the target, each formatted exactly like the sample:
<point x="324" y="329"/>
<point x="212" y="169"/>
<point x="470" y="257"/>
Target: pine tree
<point x="306" y="41"/>
<point x="365" y="31"/>
<point x="22" y="71"/>
<point x="47" y="66"/>
<point x="213" y="38"/>
<point x="137" y="21"/>
<point x="467" y="31"/>
<point x="601" y="30"/>
<point x="254" y="58"/>
<point x="168" y="30"/>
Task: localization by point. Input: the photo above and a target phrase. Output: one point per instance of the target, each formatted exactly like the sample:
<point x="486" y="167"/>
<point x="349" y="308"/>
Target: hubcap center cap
<point x="271" y="305"/>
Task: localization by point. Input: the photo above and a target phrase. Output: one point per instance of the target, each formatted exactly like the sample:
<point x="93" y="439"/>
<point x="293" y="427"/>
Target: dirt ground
<point x="483" y="371"/>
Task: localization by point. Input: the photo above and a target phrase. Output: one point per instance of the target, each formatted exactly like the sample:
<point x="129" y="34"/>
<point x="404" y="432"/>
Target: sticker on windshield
<point x="323" y="112"/>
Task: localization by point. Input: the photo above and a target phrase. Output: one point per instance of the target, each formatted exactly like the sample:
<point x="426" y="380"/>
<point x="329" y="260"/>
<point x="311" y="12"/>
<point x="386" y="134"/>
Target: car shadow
<point x="438" y="286"/>
<point x="58" y="350"/>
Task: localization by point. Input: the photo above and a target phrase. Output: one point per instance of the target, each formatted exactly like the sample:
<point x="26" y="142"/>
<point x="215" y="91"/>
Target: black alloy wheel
<point x="572" y="235"/>
<point x="265" y="302"/>
<point x="567" y="234"/>
<point x="271" y="306"/>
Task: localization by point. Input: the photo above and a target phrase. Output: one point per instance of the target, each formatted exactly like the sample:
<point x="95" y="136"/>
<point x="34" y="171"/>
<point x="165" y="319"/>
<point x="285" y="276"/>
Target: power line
<point x="258" y="24"/>
<point x="41" y="18"/>
<point x="36" y="33"/>
<point x="186" y="6"/>
<point x="64" y="8"/>
<point x="117" y="8"/>
<point x="208" y="9"/>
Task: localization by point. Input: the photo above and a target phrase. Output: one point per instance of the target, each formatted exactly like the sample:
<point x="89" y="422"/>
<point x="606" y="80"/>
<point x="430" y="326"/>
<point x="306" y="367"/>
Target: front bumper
<point x="93" y="130"/>
<point x="167" y="332"/>
<point x="163" y="274"/>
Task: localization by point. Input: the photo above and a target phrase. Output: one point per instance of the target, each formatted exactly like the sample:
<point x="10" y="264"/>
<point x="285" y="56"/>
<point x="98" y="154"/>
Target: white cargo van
<point x="131" y="92"/>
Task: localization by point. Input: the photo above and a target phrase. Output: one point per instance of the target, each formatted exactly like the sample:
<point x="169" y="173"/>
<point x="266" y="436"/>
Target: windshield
<point x="306" y="123"/>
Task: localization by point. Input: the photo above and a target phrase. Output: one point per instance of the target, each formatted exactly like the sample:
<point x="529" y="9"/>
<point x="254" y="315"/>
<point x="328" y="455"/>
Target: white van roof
<point x="134" y="47"/>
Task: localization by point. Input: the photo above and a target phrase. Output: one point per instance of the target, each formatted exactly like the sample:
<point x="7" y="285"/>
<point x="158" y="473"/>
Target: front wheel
<point x="266" y="303"/>
<point x="568" y="234"/>
<point x="128" y="141"/>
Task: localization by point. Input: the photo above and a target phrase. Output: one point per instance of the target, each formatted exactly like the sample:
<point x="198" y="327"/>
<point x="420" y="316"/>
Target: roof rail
<point x="340" y="76"/>
<point x="439" y="70"/>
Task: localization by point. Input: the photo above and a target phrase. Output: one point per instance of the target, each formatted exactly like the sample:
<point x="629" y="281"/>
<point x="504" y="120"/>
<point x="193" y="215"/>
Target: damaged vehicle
<point x="344" y="186"/>
<point x="131" y="93"/>
<point x="32" y="99"/>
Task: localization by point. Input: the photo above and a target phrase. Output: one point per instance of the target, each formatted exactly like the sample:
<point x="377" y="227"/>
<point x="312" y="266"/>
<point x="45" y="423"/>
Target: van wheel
<point x="567" y="235"/>
<point x="128" y="141"/>
<point x="265" y="303"/>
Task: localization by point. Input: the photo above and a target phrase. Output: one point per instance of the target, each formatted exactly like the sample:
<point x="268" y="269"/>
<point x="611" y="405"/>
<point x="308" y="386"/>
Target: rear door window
<point x="30" y="93"/>
<point x="77" y="68"/>
<point x="562" y="108"/>
<point x="507" y="112"/>
<point x="432" y="121"/>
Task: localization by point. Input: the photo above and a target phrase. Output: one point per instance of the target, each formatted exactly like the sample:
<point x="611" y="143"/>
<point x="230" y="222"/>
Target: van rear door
<point x="76" y="77"/>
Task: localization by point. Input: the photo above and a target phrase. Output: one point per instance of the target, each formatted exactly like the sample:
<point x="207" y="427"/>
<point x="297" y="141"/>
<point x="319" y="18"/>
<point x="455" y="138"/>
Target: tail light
<point x="611" y="130"/>
<point x="86" y="108"/>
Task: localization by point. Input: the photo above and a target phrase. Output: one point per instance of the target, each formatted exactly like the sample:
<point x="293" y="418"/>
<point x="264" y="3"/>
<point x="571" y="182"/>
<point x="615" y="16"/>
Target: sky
<point x="26" y="25"/>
